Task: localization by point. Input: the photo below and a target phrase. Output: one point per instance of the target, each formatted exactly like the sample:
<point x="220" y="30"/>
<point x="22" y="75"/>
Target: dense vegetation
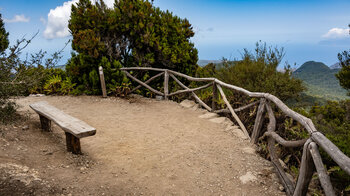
<point x="134" y="33"/>
<point x="333" y="120"/>
<point x="257" y="72"/>
<point x="21" y="77"/>
<point x="6" y="107"/>
<point x="344" y="73"/>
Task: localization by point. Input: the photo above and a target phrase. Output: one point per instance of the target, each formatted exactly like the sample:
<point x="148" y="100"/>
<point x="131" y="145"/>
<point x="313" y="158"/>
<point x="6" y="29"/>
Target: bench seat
<point x="73" y="127"/>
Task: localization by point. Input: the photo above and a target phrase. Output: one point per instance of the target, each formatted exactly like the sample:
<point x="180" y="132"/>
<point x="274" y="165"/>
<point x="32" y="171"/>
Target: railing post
<point x="215" y="95"/>
<point x="306" y="171"/>
<point x="103" y="84"/>
<point x="271" y="127"/>
<point x="232" y="111"/>
<point x="259" y="120"/>
<point x="321" y="171"/>
<point x="166" y="84"/>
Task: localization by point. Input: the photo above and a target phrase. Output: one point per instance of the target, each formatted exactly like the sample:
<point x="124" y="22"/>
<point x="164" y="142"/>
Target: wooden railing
<point x="311" y="159"/>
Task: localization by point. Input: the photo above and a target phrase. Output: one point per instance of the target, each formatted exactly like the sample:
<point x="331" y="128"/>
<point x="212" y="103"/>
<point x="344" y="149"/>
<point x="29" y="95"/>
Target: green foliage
<point x="56" y="85"/>
<point x="207" y="71"/>
<point x="44" y="75"/>
<point x="333" y="120"/>
<point x="134" y="33"/>
<point x="157" y="38"/>
<point x="4" y="42"/>
<point x="67" y="86"/>
<point x="320" y="80"/>
<point x="21" y="77"/>
<point x="121" y="90"/>
<point x="257" y="72"/>
<point x="7" y="107"/>
<point x="344" y="74"/>
<point x="53" y="85"/>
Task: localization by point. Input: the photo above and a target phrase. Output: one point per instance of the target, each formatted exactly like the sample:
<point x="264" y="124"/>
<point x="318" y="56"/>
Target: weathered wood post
<point x="103" y="84"/>
<point x="45" y="123"/>
<point x="271" y="127"/>
<point x="166" y="84"/>
<point x="321" y="171"/>
<point x="73" y="143"/>
<point x="306" y="171"/>
<point x="215" y="95"/>
<point x="232" y="111"/>
<point x="259" y="120"/>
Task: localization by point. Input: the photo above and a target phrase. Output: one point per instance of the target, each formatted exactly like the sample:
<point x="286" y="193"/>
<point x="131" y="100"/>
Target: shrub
<point x="17" y="76"/>
<point x="67" y="86"/>
<point x="333" y="120"/>
<point x="257" y="72"/>
<point x="53" y="85"/>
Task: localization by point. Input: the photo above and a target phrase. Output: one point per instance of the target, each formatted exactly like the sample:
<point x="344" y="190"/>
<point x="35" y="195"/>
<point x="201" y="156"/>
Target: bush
<point x="257" y="72"/>
<point x="67" y="87"/>
<point x="45" y="75"/>
<point x="333" y="120"/>
<point x="53" y="85"/>
<point x="134" y="33"/>
<point x="20" y="77"/>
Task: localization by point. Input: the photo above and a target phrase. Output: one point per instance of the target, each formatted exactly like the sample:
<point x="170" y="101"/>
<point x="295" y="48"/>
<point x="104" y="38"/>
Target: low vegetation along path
<point x="142" y="147"/>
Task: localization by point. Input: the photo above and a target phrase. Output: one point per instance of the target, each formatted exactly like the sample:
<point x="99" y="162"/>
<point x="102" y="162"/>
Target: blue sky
<point x="308" y="30"/>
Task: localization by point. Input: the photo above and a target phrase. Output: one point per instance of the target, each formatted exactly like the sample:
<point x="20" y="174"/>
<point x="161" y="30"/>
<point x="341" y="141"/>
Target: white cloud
<point x="57" y="19"/>
<point x="335" y="33"/>
<point x="17" y="18"/>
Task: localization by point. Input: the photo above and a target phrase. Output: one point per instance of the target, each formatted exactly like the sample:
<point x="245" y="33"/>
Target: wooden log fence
<point x="311" y="160"/>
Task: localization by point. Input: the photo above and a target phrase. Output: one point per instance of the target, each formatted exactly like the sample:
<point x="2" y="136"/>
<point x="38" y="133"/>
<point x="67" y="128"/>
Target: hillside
<point x="320" y="81"/>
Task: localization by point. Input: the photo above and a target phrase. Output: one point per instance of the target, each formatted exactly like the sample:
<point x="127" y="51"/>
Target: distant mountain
<point x="63" y="67"/>
<point x="335" y="66"/>
<point x="203" y="63"/>
<point x="320" y="81"/>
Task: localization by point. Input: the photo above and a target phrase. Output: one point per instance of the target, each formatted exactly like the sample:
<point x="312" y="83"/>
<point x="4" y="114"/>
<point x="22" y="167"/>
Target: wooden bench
<point x="73" y="127"/>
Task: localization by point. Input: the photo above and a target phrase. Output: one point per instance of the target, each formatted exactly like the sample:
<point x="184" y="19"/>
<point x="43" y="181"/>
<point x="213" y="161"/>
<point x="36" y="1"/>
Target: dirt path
<point x="142" y="147"/>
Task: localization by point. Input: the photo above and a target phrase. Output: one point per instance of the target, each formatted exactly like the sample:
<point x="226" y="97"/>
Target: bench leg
<point x="45" y="123"/>
<point x="73" y="143"/>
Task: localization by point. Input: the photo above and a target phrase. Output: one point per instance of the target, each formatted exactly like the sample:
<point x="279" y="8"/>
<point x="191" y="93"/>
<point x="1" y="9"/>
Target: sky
<point x="308" y="30"/>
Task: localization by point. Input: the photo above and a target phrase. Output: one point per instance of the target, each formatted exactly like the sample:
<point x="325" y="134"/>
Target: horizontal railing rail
<point x="311" y="159"/>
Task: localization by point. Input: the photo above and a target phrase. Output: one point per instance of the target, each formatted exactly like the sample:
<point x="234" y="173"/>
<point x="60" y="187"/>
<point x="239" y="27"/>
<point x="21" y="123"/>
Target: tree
<point x="134" y="33"/>
<point x="344" y="74"/>
<point x="157" y="38"/>
<point x="4" y="42"/>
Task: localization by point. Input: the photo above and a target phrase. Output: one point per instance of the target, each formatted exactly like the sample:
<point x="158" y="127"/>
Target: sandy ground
<point x="142" y="147"/>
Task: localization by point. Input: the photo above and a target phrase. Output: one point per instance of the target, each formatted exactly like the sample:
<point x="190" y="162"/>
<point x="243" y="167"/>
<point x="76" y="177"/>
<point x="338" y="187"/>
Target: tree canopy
<point x="344" y="74"/>
<point x="4" y="42"/>
<point x="133" y="33"/>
